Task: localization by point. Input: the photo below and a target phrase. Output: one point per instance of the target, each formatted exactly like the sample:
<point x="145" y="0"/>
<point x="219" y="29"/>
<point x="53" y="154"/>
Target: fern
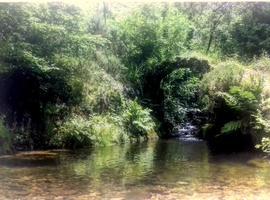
<point x="230" y="127"/>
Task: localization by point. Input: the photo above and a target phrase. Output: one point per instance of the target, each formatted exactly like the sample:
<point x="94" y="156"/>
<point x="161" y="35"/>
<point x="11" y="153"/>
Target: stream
<point x="162" y="169"/>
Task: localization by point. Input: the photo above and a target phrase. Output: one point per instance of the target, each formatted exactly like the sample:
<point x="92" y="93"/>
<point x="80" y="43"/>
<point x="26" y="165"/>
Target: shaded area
<point x="165" y="103"/>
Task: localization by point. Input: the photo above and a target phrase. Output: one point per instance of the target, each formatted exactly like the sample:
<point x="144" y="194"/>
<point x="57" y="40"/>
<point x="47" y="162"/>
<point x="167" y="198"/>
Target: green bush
<point x="78" y="131"/>
<point x="234" y="95"/>
<point x="222" y="77"/>
<point x="138" y="121"/>
<point x="102" y="93"/>
<point x="244" y="101"/>
<point x="134" y="122"/>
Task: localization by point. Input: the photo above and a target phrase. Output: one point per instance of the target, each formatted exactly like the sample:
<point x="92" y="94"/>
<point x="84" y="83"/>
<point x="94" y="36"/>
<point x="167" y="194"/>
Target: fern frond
<point x="230" y="127"/>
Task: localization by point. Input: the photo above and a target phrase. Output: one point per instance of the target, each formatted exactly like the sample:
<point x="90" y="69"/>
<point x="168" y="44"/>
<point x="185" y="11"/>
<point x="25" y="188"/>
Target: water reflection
<point x="157" y="170"/>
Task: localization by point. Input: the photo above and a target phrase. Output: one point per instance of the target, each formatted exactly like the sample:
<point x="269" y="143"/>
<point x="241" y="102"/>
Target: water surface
<point x="171" y="169"/>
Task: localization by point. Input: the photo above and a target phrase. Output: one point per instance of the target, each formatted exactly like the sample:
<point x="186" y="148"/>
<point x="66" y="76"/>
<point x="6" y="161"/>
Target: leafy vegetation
<point x="180" y="95"/>
<point x="138" y="121"/>
<point x="79" y="132"/>
<point x="233" y="92"/>
<point x="73" y="79"/>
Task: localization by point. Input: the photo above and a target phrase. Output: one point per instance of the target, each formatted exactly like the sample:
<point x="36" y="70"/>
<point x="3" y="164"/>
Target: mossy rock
<point x="196" y="65"/>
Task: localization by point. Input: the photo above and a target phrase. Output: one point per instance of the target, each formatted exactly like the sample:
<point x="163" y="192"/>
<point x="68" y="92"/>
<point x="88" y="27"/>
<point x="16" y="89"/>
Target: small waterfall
<point x="187" y="132"/>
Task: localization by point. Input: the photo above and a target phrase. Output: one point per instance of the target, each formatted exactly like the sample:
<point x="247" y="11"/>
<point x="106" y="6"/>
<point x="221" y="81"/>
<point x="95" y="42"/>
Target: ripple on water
<point x="169" y="169"/>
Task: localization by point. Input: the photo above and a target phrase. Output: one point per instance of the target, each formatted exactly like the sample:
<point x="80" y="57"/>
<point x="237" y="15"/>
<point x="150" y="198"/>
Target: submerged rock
<point x="31" y="158"/>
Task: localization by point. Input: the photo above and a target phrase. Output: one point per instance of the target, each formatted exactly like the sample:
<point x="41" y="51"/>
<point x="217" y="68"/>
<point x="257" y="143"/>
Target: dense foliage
<point x="233" y="93"/>
<point x="73" y="79"/>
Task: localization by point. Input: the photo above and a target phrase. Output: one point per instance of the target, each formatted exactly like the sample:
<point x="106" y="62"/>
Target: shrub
<point x="107" y="129"/>
<point x="234" y="95"/>
<point x="78" y="131"/>
<point x="222" y="77"/>
<point x="244" y="100"/>
<point x="101" y="91"/>
<point x="137" y="120"/>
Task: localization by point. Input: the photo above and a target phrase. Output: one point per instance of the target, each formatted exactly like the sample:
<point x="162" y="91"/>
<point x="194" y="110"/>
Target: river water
<point x="170" y="169"/>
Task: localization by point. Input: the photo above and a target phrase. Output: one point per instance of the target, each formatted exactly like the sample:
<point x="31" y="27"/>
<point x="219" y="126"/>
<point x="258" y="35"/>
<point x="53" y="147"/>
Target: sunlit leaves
<point x="138" y="120"/>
